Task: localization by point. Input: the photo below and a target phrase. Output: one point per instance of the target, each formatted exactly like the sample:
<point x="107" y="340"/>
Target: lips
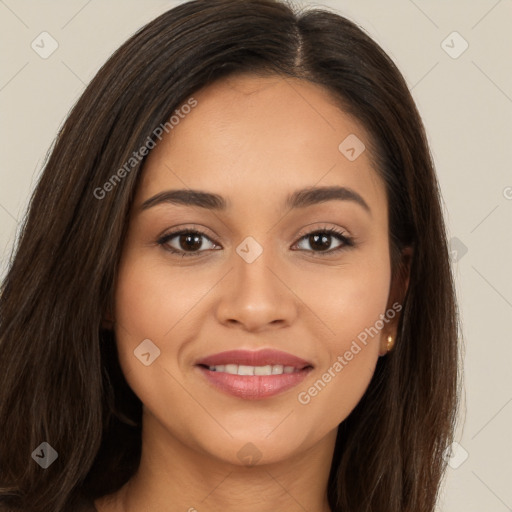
<point x="253" y="375"/>
<point x="263" y="357"/>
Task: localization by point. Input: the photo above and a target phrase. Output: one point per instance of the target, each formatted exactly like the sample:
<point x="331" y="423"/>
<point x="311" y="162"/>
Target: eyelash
<point x="348" y="242"/>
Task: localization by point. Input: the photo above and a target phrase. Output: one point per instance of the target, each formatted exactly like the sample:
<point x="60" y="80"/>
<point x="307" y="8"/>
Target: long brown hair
<point x="60" y="380"/>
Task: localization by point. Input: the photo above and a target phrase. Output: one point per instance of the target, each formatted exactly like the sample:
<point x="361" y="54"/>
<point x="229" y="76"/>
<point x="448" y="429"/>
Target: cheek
<point x="147" y="307"/>
<point x="155" y="303"/>
<point x="359" y="302"/>
<point x="352" y="305"/>
<point x="142" y="313"/>
<point x="348" y="299"/>
<point x="152" y="299"/>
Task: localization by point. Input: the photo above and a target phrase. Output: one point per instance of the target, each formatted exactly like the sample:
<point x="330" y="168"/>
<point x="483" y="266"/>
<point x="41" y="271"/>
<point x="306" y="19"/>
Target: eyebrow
<point x="298" y="199"/>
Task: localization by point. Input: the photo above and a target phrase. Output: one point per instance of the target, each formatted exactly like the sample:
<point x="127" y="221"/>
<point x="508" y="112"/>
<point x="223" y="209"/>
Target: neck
<point x="173" y="475"/>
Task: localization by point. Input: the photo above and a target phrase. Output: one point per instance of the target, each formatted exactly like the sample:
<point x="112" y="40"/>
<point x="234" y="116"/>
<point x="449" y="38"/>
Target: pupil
<point x="184" y="240"/>
<point x="323" y="238"/>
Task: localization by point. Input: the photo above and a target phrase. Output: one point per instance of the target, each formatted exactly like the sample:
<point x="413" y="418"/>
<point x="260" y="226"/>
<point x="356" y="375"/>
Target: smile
<point x="240" y="369"/>
<point x="253" y="375"/>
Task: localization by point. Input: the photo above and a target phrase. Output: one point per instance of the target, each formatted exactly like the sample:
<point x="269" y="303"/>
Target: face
<point x="300" y="285"/>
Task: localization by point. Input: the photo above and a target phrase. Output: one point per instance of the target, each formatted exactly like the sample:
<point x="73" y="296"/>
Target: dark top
<point x="80" y="504"/>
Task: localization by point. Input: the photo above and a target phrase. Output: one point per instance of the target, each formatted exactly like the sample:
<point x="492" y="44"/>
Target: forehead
<point x="265" y="136"/>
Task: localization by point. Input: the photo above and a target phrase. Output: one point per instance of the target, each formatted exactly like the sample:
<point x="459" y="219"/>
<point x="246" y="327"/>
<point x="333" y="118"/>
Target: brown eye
<point x="321" y="240"/>
<point x="185" y="242"/>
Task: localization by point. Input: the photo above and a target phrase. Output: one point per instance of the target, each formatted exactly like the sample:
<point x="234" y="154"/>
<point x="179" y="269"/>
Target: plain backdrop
<point x="462" y="84"/>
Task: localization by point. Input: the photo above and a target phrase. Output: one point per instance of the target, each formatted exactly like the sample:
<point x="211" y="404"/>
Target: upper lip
<point x="262" y="357"/>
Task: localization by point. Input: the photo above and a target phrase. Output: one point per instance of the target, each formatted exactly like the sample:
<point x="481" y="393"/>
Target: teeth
<point x="231" y="368"/>
<point x="277" y="369"/>
<point x="263" y="370"/>
<point x="245" y="370"/>
<point x="235" y="369"/>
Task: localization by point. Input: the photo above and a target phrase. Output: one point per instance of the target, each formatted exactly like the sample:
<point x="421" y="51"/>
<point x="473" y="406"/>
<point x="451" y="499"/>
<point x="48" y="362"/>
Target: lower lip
<point x="254" y="387"/>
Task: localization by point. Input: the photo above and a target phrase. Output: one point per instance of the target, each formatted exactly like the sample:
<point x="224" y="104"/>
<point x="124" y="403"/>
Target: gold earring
<point x="389" y="344"/>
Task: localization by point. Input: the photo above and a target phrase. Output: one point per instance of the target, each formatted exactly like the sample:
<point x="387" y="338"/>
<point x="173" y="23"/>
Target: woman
<point x="232" y="290"/>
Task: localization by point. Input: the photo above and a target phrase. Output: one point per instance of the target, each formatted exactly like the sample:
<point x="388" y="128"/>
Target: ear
<point x="398" y="290"/>
<point x="107" y="322"/>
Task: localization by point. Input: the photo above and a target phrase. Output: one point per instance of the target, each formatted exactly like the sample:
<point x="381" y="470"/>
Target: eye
<point x="189" y="242"/>
<point x="320" y="240"/>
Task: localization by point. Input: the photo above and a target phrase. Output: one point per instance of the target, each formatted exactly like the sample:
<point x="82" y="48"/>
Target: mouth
<point x="254" y="375"/>
<point x="242" y="369"/>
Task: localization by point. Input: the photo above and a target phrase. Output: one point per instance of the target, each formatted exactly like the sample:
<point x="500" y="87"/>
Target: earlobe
<point x="398" y="291"/>
<point x="387" y="343"/>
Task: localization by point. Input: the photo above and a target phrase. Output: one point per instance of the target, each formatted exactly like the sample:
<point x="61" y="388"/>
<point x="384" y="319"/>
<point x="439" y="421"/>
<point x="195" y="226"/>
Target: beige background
<point x="466" y="104"/>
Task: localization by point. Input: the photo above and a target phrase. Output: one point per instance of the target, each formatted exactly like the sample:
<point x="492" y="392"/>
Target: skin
<point x="252" y="140"/>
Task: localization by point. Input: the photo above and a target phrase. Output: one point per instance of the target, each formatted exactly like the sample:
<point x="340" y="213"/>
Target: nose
<point x="255" y="296"/>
